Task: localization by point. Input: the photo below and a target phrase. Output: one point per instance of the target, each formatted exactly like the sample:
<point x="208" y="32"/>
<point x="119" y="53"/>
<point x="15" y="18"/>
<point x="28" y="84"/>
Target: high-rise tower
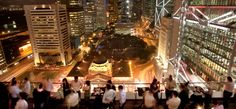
<point x="48" y="28"/>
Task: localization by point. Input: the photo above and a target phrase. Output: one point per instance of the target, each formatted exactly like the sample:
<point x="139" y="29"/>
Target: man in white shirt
<point x="108" y="97"/>
<point x="14" y="91"/>
<point x="122" y="98"/>
<point x="170" y="86"/>
<point x="21" y="103"/>
<point x="72" y="99"/>
<point x="48" y="85"/>
<point x="26" y="87"/>
<point x="76" y="85"/>
<point x="173" y="103"/>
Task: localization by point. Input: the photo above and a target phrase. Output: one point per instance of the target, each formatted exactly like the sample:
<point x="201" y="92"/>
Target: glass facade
<point x="213" y="2"/>
<point x="208" y="50"/>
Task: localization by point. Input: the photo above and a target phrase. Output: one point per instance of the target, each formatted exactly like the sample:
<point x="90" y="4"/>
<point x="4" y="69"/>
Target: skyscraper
<point x="124" y="11"/>
<point x="3" y="64"/>
<point x="89" y="16"/>
<point x="112" y="11"/>
<point x="167" y="29"/>
<point x="137" y="10"/>
<point x="76" y="17"/>
<point x="101" y="16"/>
<point x="149" y="9"/>
<point x="207" y="42"/>
<point x="48" y="28"/>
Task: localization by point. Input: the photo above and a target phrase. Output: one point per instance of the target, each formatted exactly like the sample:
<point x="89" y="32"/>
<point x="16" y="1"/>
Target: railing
<point x="131" y="88"/>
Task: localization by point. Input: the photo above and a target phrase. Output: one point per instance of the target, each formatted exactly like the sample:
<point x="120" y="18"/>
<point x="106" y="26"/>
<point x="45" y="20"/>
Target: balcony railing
<point x="131" y="88"/>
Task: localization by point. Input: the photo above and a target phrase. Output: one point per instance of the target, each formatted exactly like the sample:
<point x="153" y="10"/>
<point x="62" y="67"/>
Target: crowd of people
<point x="183" y="99"/>
<point x="105" y="97"/>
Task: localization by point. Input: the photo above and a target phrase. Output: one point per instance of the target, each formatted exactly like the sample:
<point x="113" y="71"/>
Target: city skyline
<point x="88" y="22"/>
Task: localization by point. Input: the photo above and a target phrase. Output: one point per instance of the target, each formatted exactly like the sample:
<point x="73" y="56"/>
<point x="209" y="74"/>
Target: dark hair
<point x="109" y="81"/>
<point x="40" y="85"/>
<point x="108" y="86"/>
<point x="87" y="83"/>
<point x="215" y="102"/>
<point x="23" y="95"/>
<point x="64" y="79"/>
<point x="120" y="87"/>
<point x="26" y="79"/>
<point x="154" y="80"/>
<point x="76" y="77"/>
<point x="175" y="93"/>
<point x="229" y="79"/>
<point x="182" y="86"/>
<point x="170" y="78"/>
<point x="13" y="83"/>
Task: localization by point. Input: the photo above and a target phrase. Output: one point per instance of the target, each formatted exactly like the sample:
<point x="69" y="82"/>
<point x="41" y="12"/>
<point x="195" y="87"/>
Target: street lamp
<point x="130" y="67"/>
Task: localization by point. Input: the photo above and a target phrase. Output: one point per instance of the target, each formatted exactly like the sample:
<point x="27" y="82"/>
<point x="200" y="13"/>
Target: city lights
<point x="148" y="47"/>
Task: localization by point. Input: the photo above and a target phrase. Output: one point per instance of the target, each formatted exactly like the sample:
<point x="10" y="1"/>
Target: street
<point x="17" y="70"/>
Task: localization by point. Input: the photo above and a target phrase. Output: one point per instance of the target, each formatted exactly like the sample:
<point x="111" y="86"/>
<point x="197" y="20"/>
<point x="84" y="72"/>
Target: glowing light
<point x="79" y="68"/>
<point x="43" y="6"/>
<point x="16" y="63"/>
<point x="199" y="107"/>
<point x="130" y="67"/>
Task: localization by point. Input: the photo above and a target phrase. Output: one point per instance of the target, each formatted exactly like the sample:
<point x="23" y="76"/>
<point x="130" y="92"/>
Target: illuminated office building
<point x="89" y="16"/>
<point x="76" y="17"/>
<point x="208" y="38"/>
<point x="125" y="11"/>
<point x="3" y="64"/>
<point x="75" y="3"/>
<point x="13" y="46"/>
<point x="48" y="29"/>
<point x="137" y="10"/>
<point x="101" y="16"/>
<point x="167" y="33"/>
<point x="76" y="20"/>
<point x="149" y="8"/>
<point x="112" y="11"/>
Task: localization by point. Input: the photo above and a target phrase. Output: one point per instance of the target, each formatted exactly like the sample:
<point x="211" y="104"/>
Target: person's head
<point x="40" y="85"/>
<point x="109" y="82"/>
<point x="174" y="93"/>
<point x="229" y="79"/>
<point x="13" y="80"/>
<point x="23" y="95"/>
<point x="108" y="86"/>
<point x="76" y="78"/>
<point x="154" y="81"/>
<point x="195" y="89"/>
<point x="87" y="83"/>
<point x="215" y="102"/>
<point x="70" y="91"/>
<point x="26" y="79"/>
<point x="14" y="83"/>
<point x="64" y="80"/>
<point x="170" y="78"/>
<point x="182" y="86"/>
<point x="120" y="87"/>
